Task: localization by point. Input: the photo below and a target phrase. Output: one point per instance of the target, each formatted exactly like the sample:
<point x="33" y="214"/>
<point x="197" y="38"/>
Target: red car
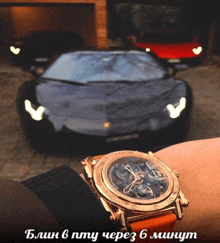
<point x="172" y="48"/>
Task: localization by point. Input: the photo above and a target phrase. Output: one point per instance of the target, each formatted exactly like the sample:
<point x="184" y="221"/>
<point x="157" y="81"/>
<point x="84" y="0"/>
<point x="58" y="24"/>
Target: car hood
<point x="126" y="107"/>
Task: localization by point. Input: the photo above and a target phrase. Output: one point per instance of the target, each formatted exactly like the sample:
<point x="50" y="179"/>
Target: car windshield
<point x="104" y="66"/>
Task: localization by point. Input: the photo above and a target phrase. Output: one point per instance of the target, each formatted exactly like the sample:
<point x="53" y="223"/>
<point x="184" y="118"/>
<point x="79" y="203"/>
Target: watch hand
<point x="148" y="166"/>
<point x="128" y="187"/>
<point x="128" y="167"/>
<point x="150" y="191"/>
<point x="137" y="180"/>
<point x="139" y="169"/>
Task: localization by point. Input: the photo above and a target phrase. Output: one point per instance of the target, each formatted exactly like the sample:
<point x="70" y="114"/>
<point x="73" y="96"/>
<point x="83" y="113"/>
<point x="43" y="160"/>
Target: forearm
<point x="198" y="163"/>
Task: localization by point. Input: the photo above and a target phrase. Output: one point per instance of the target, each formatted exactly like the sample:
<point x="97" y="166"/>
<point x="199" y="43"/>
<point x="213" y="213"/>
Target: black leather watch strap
<point x="71" y="201"/>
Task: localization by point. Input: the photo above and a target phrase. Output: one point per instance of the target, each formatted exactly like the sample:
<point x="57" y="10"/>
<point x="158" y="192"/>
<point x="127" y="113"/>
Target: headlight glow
<point x="14" y="50"/>
<point x="106" y="124"/>
<point x="147" y="49"/>
<point x="197" y="50"/>
<point x="36" y="115"/>
<point x="175" y="111"/>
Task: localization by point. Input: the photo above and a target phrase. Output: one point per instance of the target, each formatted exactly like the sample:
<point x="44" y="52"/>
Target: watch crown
<point x="83" y="162"/>
<point x="184" y="203"/>
<point x="89" y="159"/>
<point x="177" y="174"/>
<point x="151" y="154"/>
<point x="183" y="200"/>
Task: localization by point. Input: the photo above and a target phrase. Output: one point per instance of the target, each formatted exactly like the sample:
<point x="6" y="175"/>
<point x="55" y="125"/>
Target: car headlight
<point x="15" y="50"/>
<point x="197" y="50"/>
<point x="174" y="112"/>
<point x="37" y="114"/>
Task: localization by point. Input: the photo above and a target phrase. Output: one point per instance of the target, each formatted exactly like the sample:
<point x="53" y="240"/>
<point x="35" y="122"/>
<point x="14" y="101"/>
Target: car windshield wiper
<point x="64" y="81"/>
<point x="113" y="82"/>
<point x="129" y="81"/>
<point x="167" y="75"/>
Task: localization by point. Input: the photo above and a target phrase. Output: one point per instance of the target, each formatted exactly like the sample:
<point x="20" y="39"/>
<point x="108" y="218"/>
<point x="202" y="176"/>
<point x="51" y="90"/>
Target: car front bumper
<point x="44" y="136"/>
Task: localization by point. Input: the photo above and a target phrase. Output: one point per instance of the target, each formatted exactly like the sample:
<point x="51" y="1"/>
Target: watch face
<point x="135" y="181"/>
<point x="138" y="178"/>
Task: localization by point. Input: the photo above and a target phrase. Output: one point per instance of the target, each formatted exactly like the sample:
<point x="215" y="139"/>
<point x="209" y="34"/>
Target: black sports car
<point x="105" y="97"/>
<point x="36" y="49"/>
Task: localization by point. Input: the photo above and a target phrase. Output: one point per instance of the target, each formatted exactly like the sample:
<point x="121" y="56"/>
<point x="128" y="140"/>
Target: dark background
<point x="202" y="17"/>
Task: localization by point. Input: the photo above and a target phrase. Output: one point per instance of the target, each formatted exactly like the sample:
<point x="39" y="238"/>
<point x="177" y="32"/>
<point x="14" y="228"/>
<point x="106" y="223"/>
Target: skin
<point x="198" y="163"/>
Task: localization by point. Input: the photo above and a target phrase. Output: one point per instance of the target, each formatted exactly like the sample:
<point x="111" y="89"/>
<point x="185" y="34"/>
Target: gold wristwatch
<point x="138" y="189"/>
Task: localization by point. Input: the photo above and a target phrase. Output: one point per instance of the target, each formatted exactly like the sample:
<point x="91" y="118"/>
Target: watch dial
<point x="138" y="178"/>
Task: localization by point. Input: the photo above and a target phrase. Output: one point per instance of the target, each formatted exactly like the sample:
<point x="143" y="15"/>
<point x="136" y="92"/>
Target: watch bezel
<point x="105" y="188"/>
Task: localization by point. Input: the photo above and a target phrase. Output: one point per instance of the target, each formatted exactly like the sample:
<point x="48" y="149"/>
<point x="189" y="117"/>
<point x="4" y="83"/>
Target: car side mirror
<point x="171" y="70"/>
<point x="37" y="71"/>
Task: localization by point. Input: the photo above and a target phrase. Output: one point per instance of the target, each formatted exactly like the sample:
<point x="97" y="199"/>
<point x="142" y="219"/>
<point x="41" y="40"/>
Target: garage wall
<point x="6" y="25"/>
<point x="81" y="19"/>
<point x="78" y="18"/>
<point x="30" y="19"/>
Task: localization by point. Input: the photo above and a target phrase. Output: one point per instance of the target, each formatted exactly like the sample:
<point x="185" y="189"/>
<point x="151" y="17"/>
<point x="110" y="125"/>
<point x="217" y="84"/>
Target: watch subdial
<point x="123" y="176"/>
<point x="156" y="175"/>
<point x="144" y="192"/>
